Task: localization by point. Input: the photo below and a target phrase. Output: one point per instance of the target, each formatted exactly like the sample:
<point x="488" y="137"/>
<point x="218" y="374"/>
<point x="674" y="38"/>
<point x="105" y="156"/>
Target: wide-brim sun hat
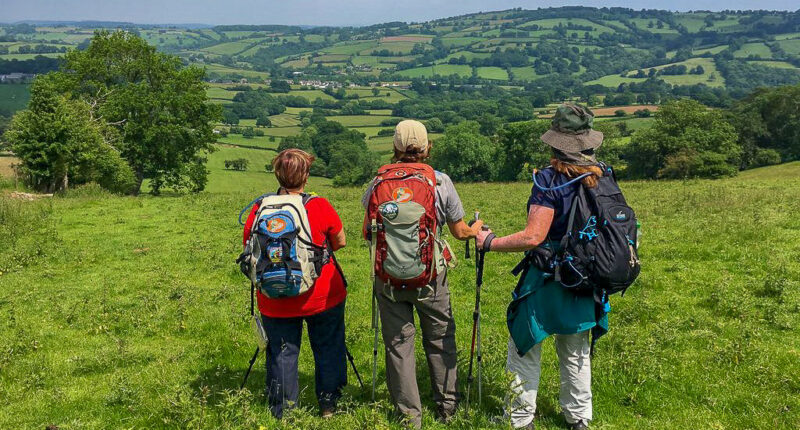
<point x="571" y="130"/>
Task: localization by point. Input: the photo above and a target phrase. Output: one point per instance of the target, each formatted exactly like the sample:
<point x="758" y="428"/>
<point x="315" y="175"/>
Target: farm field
<point x="14" y="97"/>
<point x="234" y="72"/>
<point x="687" y="79"/>
<point x="153" y="331"/>
<point x="754" y="49"/>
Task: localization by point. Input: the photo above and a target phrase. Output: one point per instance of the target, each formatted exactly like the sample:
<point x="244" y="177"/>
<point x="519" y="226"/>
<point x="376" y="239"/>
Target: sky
<point x="318" y="12"/>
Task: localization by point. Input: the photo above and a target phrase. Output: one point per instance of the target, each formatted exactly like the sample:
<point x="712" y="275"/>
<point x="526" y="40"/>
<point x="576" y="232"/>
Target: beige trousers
<point x="438" y="339"/>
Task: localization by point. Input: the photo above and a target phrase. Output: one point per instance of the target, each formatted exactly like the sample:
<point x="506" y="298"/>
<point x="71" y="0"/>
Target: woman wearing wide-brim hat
<point x="543" y="307"/>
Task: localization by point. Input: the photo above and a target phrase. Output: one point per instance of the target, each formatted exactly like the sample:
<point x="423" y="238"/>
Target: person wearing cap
<point x="542" y="307"/>
<point x="411" y="145"/>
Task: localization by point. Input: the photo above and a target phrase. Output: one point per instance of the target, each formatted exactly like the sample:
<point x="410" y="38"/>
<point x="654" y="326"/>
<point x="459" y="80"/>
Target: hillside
<point x="133" y="314"/>
<point x="513" y="45"/>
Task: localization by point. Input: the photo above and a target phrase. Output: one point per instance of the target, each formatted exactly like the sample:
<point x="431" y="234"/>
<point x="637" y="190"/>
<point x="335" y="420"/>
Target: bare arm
<point x="461" y="231"/>
<point x="535" y="232"/>
<point x="338" y="241"/>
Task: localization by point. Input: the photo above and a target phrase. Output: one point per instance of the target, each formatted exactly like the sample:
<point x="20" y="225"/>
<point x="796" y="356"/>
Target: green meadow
<point x="129" y="312"/>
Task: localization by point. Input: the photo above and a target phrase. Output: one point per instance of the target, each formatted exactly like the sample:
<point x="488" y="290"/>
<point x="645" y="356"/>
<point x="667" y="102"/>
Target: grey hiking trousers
<point x="438" y="340"/>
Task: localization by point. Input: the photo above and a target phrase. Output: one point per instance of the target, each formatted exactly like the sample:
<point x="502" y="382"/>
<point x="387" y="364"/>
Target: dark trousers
<point x="326" y="334"/>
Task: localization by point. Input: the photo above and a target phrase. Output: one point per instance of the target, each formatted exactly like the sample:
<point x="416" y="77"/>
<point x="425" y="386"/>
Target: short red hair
<point x="291" y="167"/>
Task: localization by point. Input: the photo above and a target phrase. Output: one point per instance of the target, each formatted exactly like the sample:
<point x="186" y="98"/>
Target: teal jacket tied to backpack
<point x="541" y="306"/>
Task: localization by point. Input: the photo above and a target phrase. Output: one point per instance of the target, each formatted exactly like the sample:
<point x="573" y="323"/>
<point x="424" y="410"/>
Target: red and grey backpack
<point x="401" y="225"/>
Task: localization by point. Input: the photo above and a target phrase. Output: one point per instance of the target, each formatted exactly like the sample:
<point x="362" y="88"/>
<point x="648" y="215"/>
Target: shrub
<point x="248" y="133"/>
<point x="682" y="142"/>
<point x="239" y="164"/>
<point x="434" y="125"/>
<point x="642" y="113"/>
<point x="386" y="132"/>
<point x="318" y="168"/>
<point x="689" y="163"/>
<point x="390" y="122"/>
<point x="620" y="113"/>
<point x="766" y="157"/>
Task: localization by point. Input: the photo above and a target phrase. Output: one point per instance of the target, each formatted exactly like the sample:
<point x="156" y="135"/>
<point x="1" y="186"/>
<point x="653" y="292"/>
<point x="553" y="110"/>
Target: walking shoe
<point x="444" y="415"/>
<point x="579" y="425"/>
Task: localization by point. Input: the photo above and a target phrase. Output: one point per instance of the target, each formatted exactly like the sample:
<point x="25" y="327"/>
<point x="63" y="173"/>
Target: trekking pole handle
<point x="476" y="216"/>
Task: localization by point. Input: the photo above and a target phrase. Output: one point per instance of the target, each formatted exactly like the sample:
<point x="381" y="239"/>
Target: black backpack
<point x="598" y="254"/>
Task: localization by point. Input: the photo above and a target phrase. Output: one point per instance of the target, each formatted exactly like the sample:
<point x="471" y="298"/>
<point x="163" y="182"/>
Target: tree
<point x="158" y="107"/>
<point x="489" y="124"/>
<point x="327" y="134"/>
<point x="375" y="91"/>
<point x="279" y="86"/>
<point x="263" y="121"/>
<point x="520" y="146"/>
<point x="351" y="163"/>
<point x="60" y="144"/>
<point x="248" y="133"/>
<point x="434" y="125"/>
<point x="685" y="140"/>
<point x="229" y="117"/>
<point x="464" y="154"/>
<point x="767" y="119"/>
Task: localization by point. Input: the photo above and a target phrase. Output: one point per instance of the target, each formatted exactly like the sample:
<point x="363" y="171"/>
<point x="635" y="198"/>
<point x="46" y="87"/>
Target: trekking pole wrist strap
<point x="487" y="243"/>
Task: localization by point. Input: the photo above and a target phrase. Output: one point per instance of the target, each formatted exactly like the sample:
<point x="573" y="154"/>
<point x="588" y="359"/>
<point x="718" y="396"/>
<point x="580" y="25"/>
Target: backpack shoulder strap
<point x="257" y="201"/>
<point x="308" y="197"/>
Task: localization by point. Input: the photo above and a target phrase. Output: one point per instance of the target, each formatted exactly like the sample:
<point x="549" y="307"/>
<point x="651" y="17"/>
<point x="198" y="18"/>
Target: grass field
<point x="755" y="49"/>
<point x="687" y="79"/>
<point x="791" y="46"/>
<point x="257" y="142"/>
<point x="439" y="69"/>
<point x="14" y="97"/>
<point x="492" y="73"/>
<point x="230" y="71"/>
<point x="357" y="120"/>
<point x="152" y="330"/>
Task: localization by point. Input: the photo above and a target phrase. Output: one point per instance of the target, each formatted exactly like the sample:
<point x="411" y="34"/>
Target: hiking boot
<point x="444" y="415"/>
<point x="579" y="425"/>
<point x="327" y="412"/>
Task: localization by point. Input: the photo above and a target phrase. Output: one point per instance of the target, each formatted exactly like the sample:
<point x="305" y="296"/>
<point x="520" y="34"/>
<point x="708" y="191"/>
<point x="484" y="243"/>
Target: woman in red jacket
<point x="322" y="307"/>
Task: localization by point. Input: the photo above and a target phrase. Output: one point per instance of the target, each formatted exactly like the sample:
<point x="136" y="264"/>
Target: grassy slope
<point x="134" y="314"/>
<point x="14" y="97"/>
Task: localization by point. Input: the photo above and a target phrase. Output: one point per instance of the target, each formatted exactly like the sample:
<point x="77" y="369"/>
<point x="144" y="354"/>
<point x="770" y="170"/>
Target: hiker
<point x="410" y="267"/>
<point x="552" y="309"/>
<point x="321" y="306"/>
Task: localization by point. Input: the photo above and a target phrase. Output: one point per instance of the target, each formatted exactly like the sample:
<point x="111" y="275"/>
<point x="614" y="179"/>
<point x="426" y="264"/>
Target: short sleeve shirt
<point x="559" y="200"/>
<point x="329" y="289"/>
<point x="448" y="203"/>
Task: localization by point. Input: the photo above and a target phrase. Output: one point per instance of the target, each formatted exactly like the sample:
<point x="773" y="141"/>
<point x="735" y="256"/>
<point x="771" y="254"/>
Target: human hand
<point x="476" y="226"/>
<point x="482" y="235"/>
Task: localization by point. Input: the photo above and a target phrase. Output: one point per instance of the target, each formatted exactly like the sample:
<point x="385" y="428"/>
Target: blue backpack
<point x="280" y="258"/>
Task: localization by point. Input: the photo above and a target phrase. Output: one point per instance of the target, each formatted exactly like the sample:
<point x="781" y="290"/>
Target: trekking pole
<point x="476" y="318"/>
<point x="258" y="348"/>
<point x="352" y="363"/>
<point x="375" y="310"/>
<point x="250" y="367"/>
